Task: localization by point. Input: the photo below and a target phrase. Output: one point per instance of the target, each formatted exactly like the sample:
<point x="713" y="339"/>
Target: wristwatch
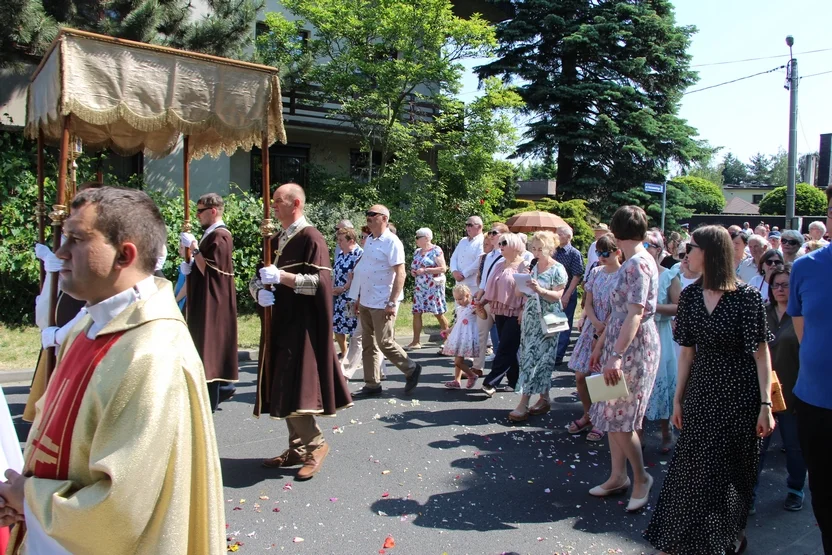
<point x="195" y="252"/>
<point x="391" y="304"/>
<point x="616" y="354"/>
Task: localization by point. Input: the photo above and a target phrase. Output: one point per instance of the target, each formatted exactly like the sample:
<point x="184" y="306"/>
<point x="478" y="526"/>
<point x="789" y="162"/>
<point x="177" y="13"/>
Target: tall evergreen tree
<point x="225" y="30"/>
<point x="759" y="168"/>
<point x="733" y="171"/>
<point x="602" y="80"/>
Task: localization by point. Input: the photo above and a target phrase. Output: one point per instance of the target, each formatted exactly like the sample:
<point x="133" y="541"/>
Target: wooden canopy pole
<point x="58" y="215"/>
<point x="267" y="229"/>
<point x="41" y="206"/>
<point x="186" y="225"/>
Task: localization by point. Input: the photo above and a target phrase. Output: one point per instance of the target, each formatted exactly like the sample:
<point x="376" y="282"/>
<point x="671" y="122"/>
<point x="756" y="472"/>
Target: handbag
<point x="778" y="402"/>
<point x="552" y="323"/>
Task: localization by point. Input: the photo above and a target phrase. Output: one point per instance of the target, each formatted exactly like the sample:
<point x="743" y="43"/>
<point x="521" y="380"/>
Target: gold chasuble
<point x="122" y="452"/>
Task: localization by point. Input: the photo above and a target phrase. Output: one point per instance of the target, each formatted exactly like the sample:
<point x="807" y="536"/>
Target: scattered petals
<point x="333" y="499"/>
<point x="297" y="539"/>
<point x="389" y="542"/>
<point x="385" y="494"/>
<point x="385" y="472"/>
<point x="287" y="486"/>
<point x="276" y="510"/>
<point x="264" y="497"/>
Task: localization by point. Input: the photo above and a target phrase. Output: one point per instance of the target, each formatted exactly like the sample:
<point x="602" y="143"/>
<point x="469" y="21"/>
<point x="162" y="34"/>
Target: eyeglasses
<point x="371" y="214"/>
<point x="773" y="262"/>
<point x="689" y="247"/>
<point x="603" y="254"/>
<point x="421" y="236"/>
<point x="201" y="210"/>
<point x="790" y="242"/>
<point x="468" y="224"/>
<point x="503" y="243"/>
<point x="780" y="286"/>
<point x="647" y="245"/>
<point x="493" y="232"/>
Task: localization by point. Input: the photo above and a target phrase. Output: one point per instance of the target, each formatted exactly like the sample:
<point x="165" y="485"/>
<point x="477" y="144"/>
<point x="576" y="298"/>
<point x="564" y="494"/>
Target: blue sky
<point x="752" y="115"/>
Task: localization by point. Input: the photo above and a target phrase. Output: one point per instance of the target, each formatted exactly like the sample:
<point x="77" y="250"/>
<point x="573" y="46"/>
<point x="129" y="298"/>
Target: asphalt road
<point x="445" y="472"/>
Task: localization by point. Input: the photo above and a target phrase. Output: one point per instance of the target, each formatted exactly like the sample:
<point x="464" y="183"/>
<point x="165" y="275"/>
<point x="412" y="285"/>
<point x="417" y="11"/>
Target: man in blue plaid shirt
<point x="572" y="260"/>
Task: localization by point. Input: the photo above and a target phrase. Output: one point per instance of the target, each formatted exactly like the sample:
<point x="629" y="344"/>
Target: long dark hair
<point x="787" y="270"/>
<point x="770" y="253"/>
<point x="718" y="273"/>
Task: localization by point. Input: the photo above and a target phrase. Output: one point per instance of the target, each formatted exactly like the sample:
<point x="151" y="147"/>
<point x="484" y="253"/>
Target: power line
<point x="762" y="58"/>
<point x="815" y="74"/>
<point x="735" y="80"/>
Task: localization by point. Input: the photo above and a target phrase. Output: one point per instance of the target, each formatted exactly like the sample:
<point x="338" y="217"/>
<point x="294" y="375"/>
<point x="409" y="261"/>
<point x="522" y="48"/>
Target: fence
<point x="728" y="220"/>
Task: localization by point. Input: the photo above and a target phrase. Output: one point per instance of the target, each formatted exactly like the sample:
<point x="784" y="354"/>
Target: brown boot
<point x="289" y="457"/>
<point x="312" y="462"/>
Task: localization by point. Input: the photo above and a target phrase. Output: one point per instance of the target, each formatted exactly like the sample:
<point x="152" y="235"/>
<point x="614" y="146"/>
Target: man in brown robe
<point x="212" y="298"/>
<point x="299" y="376"/>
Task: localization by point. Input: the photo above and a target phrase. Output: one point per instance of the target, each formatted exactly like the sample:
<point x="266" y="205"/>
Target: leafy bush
<point x="707" y="197"/>
<point x="808" y="201"/>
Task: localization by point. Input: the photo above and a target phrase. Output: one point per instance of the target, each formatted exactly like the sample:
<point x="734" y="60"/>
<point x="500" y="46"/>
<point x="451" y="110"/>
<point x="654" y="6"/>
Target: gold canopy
<point x="133" y="96"/>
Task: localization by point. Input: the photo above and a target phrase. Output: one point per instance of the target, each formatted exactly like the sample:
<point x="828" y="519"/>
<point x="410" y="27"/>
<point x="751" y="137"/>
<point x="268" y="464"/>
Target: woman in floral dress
<point x="628" y="350"/>
<point x="597" y="309"/>
<point x="428" y="267"/>
<point x="343" y="319"/>
<point x="537" y="353"/>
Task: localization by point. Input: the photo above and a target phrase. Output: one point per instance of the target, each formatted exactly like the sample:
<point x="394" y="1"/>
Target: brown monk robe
<point x="299" y="376"/>
<point x="212" y="310"/>
<point x="66" y="308"/>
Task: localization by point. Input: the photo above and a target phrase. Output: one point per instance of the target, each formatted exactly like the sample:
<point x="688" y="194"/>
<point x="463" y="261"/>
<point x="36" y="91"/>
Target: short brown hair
<point x="211" y="200"/>
<point x="629" y="223"/>
<point x="347" y="232"/>
<point x="718" y="254"/>
<point x="501" y="227"/>
<point x="124" y="215"/>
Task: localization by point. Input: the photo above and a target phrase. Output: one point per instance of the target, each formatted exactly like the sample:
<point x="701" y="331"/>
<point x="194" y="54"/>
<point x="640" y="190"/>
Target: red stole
<point x="49" y="456"/>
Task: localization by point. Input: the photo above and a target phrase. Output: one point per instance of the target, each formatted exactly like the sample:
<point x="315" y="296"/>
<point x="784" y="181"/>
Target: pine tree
<point x="733" y="171"/>
<point x="225" y="30"/>
<point x="759" y="168"/>
<point x="602" y="80"/>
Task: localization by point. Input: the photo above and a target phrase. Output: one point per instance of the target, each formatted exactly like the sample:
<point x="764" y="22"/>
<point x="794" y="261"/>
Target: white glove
<point x="270" y="275"/>
<point x="265" y="298"/>
<point x="185" y="268"/>
<point x="186" y="239"/>
<point x="51" y="263"/>
<point x="47" y="337"/>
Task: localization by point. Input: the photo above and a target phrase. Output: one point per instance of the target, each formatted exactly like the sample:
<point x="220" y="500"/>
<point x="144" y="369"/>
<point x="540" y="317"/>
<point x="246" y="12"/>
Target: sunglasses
<point x="681" y="254"/>
<point x="371" y="214"/>
<point x="201" y="210"/>
<point x="780" y="286"/>
<point x="493" y="232"/>
<point x="603" y="254"/>
<point x="503" y="243"/>
<point x="471" y="225"/>
<point x="647" y="245"/>
<point x="773" y="262"/>
<point x="689" y="247"/>
<point x="790" y="242"/>
<point x="421" y="236"/>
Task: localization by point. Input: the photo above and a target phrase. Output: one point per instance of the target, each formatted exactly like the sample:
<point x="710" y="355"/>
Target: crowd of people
<point x="689" y="331"/>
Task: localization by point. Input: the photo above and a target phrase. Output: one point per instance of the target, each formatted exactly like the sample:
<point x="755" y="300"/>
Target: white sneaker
<point x="489" y="358"/>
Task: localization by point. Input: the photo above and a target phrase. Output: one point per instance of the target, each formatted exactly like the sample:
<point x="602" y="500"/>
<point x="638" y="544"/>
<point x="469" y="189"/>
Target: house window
<point x="755" y="199"/>
<point x="360" y="167"/>
<point x="287" y="164"/>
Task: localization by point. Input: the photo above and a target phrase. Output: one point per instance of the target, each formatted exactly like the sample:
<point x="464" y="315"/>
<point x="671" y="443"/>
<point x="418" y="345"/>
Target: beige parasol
<point x="534" y="221"/>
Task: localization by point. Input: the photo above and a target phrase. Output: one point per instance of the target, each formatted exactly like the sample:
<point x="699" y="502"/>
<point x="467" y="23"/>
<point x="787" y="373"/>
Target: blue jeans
<point x="563" y="338"/>
<point x="495" y="337"/>
<point x="795" y="465"/>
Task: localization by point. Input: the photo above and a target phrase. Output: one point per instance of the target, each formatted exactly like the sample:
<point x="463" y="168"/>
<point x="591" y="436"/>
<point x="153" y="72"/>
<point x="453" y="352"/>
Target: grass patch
<point x="19" y="347"/>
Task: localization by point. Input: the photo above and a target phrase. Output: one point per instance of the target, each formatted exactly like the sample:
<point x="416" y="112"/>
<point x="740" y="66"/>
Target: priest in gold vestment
<point x="122" y="456"/>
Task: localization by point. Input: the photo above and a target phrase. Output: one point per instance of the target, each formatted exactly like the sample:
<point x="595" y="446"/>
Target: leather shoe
<point x="289" y="457"/>
<point x="413" y="379"/>
<point x="599" y="491"/>
<point x="793" y="502"/>
<point x="312" y="462"/>
<point x="368" y="392"/>
<point x="540" y="408"/>
<point x="638" y="504"/>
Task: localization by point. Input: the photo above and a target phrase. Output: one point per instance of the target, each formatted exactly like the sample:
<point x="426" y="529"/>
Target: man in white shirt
<point x="488" y="261"/>
<point x="592" y="257"/>
<point x="749" y="268"/>
<point x="466" y="257"/>
<point x="378" y="284"/>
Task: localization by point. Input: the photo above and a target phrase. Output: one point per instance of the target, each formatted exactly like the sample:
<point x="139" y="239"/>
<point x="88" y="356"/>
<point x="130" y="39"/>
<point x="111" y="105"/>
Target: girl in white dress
<point x="463" y="340"/>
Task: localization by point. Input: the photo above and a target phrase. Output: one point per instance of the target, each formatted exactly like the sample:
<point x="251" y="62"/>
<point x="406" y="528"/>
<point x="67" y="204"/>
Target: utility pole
<point x="791" y="85"/>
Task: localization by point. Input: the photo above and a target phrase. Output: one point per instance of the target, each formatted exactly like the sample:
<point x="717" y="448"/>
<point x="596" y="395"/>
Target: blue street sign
<point x="654" y="187"/>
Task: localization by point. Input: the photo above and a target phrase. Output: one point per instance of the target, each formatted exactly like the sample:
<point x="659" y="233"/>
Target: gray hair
<point x="426" y="232"/>
<point x="344" y="224"/>
<point x="514" y="241"/>
<point x="817" y="225"/>
<point x="792" y="234"/>
<point x="566" y="230"/>
<point x="656" y="238"/>
<point x="476" y="220"/>
<point x="758" y="239"/>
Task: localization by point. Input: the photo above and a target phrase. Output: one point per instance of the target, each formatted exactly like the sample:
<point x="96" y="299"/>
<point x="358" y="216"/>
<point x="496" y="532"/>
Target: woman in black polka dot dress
<point x="722" y="405"/>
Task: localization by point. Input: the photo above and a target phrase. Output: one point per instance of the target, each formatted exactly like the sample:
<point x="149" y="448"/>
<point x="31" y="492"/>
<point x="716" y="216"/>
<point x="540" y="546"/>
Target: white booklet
<point x="600" y="391"/>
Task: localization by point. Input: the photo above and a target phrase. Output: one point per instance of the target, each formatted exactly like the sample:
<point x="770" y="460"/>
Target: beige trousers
<point x="484" y="327"/>
<point x="304" y="434"/>
<point x="352" y="361"/>
<point x="378" y="336"/>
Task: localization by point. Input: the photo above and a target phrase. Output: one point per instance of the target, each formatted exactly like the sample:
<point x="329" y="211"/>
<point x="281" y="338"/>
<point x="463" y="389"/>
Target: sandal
<point x="472" y="381"/>
<point x="540" y="408"/>
<point x="477" y="371"/>
<point x="575" y="427"/>
<point x="412" y="347"/>
<point x="595" y="435"/>
<point x="667" y="445"/>
<point x="515" y="416"/>
<point x="453" y="384"/>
